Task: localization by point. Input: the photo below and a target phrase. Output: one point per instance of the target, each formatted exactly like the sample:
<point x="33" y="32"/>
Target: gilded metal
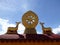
<point x="13" y="30"/>
<point x="30" y="20"/>
<point x="46" y="30"/>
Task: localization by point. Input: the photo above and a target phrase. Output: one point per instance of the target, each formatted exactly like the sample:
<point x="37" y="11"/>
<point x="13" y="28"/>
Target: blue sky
<point x="48" y="11"/>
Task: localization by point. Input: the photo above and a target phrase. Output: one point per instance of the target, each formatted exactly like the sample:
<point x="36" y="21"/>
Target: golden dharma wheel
<point x="30" y="19"/>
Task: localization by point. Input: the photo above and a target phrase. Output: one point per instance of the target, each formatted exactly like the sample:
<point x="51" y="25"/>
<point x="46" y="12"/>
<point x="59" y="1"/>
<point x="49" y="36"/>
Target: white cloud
<point x="5" y="24"/>
<point x="56" y="30"/>
<point x="21" y="29"/>
<point x="39" y="32"/>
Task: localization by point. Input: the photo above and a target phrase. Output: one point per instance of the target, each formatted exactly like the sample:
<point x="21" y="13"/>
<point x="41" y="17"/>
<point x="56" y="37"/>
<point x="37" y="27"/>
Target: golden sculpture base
<point x="30" y="31"/>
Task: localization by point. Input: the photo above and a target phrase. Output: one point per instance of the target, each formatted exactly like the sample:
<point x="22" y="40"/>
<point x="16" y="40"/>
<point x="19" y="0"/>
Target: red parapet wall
<point x="35" y="39"/>
<point x="30" y="43"/>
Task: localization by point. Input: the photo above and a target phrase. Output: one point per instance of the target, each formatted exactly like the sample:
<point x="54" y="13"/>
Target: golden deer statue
<point x="13" y="30"/>
<point x="46" y="30"/>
